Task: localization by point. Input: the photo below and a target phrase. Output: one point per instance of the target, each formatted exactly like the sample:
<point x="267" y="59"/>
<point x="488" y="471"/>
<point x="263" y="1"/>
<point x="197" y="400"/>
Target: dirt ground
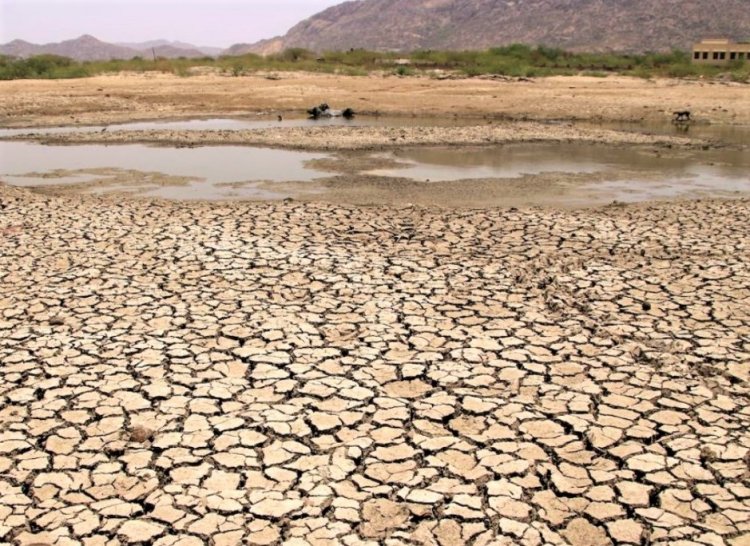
<point x="117" y="98"/>
<point x="317" y="375"/>
<point x="323" y="374"/>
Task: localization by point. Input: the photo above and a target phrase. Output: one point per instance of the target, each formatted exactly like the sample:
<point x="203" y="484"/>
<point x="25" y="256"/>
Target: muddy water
<point x="728" y="134"/>
<point x="516" y="160"/>
<point x="573" y="174"/>
<point x="172" y="173"/>
<point x="248" y="123"/>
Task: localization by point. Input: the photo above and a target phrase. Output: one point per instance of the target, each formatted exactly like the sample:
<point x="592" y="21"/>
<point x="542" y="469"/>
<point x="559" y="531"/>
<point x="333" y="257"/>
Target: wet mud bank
<point x="375" y="138"/>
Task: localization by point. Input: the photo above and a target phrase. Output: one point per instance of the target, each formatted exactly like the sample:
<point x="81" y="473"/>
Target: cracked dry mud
<point x="258" y="374"/>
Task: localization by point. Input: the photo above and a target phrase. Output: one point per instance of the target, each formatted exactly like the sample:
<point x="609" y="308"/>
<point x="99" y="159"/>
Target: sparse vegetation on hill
<point x="514" y="61"/>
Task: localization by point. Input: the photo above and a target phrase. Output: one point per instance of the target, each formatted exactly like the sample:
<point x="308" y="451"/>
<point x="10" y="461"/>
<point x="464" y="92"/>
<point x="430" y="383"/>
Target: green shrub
<point x="516" y="60"/>
<point x="595" y="73"/>
<point x="182" y="71"/>
<point x="42" y="67"/>
<point x="681" y="71"/>
<point x="294" y="54"/>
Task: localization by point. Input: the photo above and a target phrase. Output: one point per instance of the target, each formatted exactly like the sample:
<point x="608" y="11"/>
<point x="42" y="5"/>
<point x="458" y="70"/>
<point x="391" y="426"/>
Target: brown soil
<point x="295" y="373"/>
<point x="117" y="98"/>
<point x="320" y="373"/>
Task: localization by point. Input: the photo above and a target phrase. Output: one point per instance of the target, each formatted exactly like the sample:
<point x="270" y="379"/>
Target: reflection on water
<point x="249" y="123"/>
<point x="516" y="160"/>
<point x="729" y="134"/>
<point x="214" y="164"/>
<point x="203" y="167"/>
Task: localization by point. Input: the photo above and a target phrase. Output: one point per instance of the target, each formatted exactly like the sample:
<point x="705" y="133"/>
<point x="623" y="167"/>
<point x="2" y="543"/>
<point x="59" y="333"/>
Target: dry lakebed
<point x="488" y="333"/>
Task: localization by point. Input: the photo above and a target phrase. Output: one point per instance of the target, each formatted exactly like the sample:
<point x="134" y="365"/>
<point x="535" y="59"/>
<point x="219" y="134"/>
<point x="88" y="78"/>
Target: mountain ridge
<point x="89" y="48"/>
<point x="174" y="44"/>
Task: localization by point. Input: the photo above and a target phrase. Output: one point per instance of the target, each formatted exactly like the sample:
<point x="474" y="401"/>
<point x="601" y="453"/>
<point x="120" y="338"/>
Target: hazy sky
<point x="202" y="22"/>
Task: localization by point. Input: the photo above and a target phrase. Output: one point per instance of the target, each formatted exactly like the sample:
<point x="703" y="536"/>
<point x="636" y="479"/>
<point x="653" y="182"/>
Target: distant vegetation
<point x="513" y="61"/>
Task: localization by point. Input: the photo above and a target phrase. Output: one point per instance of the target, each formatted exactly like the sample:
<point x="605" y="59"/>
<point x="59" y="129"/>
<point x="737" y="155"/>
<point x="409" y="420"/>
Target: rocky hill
<point x="84" y="48"/>
<point x="172" y="52"/>
<point x="88" y="48"/>
<point x="174" y="46"/>
<point x="591" y="25"/>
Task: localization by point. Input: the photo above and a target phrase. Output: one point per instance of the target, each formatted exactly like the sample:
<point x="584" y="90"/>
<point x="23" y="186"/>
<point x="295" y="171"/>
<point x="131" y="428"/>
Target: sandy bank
<point x="372" y="138"/>
<point x="127" y="97"/>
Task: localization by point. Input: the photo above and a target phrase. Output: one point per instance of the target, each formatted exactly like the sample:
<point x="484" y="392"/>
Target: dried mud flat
<point x="284" y="373"/>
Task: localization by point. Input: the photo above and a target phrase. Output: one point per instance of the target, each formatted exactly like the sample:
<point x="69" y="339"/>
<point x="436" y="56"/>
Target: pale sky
<point x="219" y="23"/>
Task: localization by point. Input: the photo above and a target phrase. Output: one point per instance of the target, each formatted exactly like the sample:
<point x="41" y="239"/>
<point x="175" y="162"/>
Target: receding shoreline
<point x="374" y="138"/>
<point x="350" y="175"/>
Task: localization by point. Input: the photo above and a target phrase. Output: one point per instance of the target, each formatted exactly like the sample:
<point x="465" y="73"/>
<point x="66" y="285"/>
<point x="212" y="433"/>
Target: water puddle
<point x="185" y="173"/>
<point x="728" y="134"/>
<point x="247" y="123"/>
<point x="443" y="164"/>
<point x="535" y="173"/>
<point x="438" y="164"/>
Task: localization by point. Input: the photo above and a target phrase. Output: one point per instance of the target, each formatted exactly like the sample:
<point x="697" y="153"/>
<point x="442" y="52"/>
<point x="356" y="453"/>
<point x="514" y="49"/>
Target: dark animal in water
<point x="683" y="115"/>
<point x="324" y="111"/>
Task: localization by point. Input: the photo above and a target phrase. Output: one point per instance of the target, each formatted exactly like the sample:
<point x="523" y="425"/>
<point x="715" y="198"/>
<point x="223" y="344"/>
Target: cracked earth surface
<point x="259" y="374"/>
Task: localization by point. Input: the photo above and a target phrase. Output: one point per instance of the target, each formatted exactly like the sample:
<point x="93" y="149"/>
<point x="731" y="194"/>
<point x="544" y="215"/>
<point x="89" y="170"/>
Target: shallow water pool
<point x="248" y="123"/>
<point x="516" y="160"/>
<point x="204" y="170"/>
<point x="530" y="173"/>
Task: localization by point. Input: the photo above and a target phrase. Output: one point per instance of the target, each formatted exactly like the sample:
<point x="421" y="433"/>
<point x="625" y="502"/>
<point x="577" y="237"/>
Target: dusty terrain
<point x="301" y="374"/>
<point x="116" y="98"/>
<point x="178" y="374"/>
